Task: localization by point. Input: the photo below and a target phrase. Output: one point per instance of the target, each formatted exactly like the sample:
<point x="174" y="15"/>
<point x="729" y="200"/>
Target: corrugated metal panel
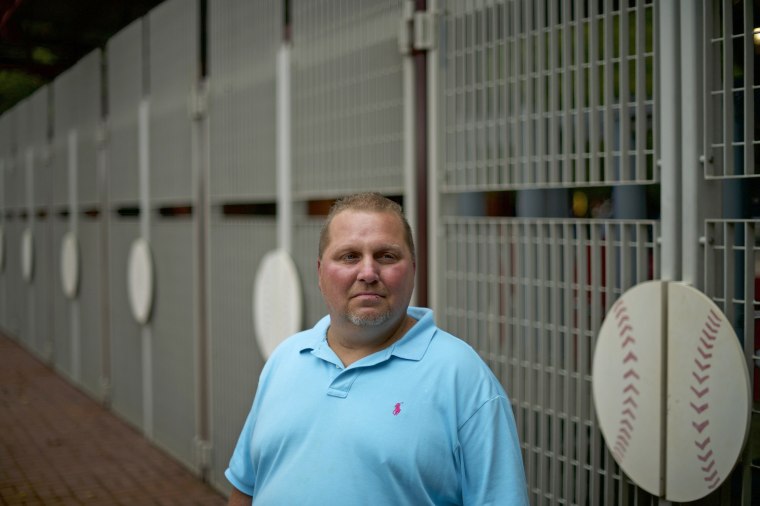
<point x="547" y="94"/>
<point x="125" y="90"/>
<point x="530" y="297"/>
<point x="174" y="70"/>
<point x="91" y="304"/>
<point x="236" y="247"/>
<point x="126" y="341"/>
<point x="243" y="41"/>
<point x="174" y="337"/>
<point x="305" y="253"/>
<point x="347" y="97"/>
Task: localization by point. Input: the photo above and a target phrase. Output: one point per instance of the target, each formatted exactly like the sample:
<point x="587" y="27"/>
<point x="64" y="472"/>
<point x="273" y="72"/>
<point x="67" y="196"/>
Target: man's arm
<point x="237" y="498"/>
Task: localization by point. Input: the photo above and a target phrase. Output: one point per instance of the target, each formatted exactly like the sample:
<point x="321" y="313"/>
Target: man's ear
<point x="319" y="274"/>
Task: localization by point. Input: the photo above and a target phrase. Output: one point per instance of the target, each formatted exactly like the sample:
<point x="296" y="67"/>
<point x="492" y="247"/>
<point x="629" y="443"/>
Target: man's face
<point x="366" y="273"/>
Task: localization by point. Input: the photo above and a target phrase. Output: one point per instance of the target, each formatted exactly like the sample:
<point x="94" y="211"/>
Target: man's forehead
<point x="345" y="220"/>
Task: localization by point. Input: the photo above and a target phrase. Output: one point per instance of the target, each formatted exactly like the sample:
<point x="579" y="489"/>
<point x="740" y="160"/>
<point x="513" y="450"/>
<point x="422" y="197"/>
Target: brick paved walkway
<point x="59" y="447"/>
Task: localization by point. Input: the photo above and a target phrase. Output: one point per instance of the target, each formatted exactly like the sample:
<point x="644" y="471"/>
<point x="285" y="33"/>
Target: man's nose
<point x="368" y="270"/>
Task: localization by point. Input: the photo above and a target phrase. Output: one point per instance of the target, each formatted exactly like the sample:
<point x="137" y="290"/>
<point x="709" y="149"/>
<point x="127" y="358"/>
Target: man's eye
<point x="349" y="257"/>
<point x="388" y="257"/>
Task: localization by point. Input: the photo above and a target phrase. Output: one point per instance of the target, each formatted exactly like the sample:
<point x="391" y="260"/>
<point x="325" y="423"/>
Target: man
<point x="375" y="405"/>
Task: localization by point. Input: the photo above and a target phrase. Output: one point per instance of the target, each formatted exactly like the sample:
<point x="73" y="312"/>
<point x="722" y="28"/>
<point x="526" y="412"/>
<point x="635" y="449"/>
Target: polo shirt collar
<point x="412" y="346"/>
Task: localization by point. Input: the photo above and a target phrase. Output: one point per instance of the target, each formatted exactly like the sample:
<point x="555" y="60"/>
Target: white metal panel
<point x="84" y="106"/>
<point x="174" y="341"/>
<point x="243" y="39"/>
<point x="61" y="321"/>
<point x="174" y="69"/>
<point x="347" y="97"/>
<point x="125" y="76"/>
<point x="91" y="305"/>
<point x="124" y="332"/>
<point x="236" y="246"/>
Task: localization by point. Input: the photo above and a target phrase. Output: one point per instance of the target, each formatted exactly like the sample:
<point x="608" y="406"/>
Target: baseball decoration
<point x="671" y="390"/>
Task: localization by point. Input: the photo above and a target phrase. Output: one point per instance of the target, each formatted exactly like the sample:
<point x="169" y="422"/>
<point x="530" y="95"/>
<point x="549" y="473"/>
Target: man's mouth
<point x="368" y="295"/>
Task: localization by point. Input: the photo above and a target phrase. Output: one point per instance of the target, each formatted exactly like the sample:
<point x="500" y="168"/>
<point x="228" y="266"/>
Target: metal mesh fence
<point x="539" y="94"/>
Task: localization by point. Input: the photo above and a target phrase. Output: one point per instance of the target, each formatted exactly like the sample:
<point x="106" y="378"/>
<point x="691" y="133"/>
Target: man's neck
<point x="353" y="343"/>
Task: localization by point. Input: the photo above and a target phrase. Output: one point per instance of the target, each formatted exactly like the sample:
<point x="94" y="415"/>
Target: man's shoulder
<point x="305" y="339"/>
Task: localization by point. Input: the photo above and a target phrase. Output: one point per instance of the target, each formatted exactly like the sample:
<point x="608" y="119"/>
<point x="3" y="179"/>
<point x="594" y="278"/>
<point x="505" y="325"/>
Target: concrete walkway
<point x="58" y="446"/>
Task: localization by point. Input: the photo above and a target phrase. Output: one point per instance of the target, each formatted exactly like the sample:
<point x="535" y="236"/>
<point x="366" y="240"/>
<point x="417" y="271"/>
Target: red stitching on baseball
<point x="706" y="456"/>
<point x="704" y="354"/>
<point x="708" y="335"/>
<point x="711" y="337"/>
<point x="630" y="390"/>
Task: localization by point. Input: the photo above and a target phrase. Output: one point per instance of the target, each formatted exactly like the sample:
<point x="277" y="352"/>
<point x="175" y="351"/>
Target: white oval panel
<point x="277" y="301"/>
<point x="140" y="280"/>
<point x="27" y="255"/>
<point x="70" y="265"/>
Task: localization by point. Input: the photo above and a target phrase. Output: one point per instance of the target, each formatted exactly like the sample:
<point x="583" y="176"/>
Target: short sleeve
<point x="240" y="471"/>
<point x="491" y="460"/>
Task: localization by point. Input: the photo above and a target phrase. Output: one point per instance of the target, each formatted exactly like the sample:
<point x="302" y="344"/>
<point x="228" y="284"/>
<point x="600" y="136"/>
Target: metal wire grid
<point x="347" y="97"/>
<point x="732" y="87"/>
<point x="244" y="37"/>
<point x="732" y="280"/>
<point x="540" y="94"/>
<point x="530" y="297"/>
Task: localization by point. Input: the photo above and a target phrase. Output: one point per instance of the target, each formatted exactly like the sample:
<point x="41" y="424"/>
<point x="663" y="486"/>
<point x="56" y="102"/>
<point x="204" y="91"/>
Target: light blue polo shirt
<point x="423" y="421"/>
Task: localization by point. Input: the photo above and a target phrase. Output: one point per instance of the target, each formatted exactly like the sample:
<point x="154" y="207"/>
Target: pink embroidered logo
<point x="397" y="408"/>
